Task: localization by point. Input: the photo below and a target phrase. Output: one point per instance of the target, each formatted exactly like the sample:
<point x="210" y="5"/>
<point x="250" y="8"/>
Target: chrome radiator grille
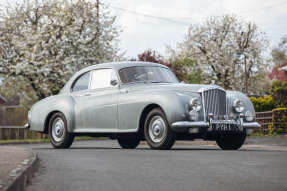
<point x="214" y="102"/>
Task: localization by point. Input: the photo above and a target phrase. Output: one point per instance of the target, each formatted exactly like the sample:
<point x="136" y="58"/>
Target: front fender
<point x="231" y="96"/>
<point x="175" y="104"/>
<point x="40" y="111"/>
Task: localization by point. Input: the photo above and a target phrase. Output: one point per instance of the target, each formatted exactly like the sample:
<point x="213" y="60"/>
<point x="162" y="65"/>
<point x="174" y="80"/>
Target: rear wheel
<point x="231" y="141"/>
<point x="60" y="138"/>
<point x="129" y="142"/>
<point x="157" y="131"/>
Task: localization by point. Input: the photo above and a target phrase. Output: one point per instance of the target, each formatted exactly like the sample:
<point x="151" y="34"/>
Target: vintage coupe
<point x="134" y="101"/>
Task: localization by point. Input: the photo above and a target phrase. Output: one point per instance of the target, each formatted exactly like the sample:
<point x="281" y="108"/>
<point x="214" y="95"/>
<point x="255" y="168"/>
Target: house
<point x="279" y="72"/>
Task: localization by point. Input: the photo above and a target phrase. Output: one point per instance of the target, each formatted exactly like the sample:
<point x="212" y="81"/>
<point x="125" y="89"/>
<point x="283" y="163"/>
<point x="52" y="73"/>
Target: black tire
<point x="231" y="141"/>
<point x="66" y="139"/>
<point x="168" y="136"/>
<point x="128" y="142"/>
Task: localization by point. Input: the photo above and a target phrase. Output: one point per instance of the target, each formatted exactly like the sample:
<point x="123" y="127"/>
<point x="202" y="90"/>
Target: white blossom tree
<point x="43" y="42"/>
<point x="228" y="50"/>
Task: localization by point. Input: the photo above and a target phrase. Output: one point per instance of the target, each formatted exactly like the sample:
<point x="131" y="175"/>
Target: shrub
<point x="279" y="93"/>
<point x="261" y="104"/>
<point x="279" y="121"/>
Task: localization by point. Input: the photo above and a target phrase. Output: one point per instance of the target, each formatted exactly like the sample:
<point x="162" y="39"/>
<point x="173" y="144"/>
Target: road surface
<point x="103" y="166"/>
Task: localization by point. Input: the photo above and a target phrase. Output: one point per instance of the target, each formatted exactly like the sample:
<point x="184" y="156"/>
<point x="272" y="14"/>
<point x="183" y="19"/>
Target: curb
<point x="24" y="178"/>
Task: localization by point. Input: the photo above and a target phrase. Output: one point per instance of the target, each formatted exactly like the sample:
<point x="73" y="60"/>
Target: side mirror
<point x="114" y="82"/>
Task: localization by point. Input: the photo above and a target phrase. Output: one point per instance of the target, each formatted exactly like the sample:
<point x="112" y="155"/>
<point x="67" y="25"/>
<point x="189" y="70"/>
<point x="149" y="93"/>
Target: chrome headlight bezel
<point x="238" y="106"/>
<point x="195" y="104"/>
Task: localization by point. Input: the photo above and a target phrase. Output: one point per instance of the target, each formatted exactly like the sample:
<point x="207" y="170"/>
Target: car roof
<point x="114" y="65"/>
<point x="120" y="65"/>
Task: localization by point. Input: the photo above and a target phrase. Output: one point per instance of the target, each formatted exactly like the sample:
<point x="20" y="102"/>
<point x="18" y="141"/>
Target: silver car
<point x="134" y="101"/>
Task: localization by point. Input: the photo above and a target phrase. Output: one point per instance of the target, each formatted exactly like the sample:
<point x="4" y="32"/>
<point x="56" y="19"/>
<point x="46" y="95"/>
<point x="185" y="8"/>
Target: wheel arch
<point x="144" y="114"/>
<point x="47" y="120"/>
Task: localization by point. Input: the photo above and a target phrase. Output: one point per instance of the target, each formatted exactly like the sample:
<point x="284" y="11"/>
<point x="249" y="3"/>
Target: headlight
<point x="195" y="104"/>
<point x="238" y="106"/>
<point x="249" y="116"/>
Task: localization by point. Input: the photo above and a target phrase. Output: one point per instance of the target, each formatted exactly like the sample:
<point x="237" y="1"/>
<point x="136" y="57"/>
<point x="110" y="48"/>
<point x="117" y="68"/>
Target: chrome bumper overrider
<point x="191" y="124"/>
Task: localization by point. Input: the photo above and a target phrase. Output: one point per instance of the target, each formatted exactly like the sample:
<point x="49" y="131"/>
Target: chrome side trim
<point x="105" y="131"/>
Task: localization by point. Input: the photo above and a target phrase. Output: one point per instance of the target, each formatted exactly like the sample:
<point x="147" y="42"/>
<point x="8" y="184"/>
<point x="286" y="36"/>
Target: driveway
<point x="102" y="165"/>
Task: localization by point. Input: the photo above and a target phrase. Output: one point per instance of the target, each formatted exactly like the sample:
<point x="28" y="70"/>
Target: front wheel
<point x="231" y="141"/>
<point x="60" y="138"/>
<point x="157" y="131"/>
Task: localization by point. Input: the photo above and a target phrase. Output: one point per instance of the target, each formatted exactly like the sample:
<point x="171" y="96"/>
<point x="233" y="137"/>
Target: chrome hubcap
<point x="157" y="129"/>
<point x="58" y="129"/>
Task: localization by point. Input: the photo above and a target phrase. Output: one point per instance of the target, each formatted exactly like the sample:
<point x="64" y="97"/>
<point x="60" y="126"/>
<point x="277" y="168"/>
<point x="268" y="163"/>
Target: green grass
<point x="44" y="140"/>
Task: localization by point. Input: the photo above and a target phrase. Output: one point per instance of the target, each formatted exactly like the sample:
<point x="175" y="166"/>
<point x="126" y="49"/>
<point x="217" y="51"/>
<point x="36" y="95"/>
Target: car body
<point x="114" y="99"/>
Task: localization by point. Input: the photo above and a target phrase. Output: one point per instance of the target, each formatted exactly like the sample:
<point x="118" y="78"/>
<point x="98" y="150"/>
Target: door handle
<point x="87" y="94"/>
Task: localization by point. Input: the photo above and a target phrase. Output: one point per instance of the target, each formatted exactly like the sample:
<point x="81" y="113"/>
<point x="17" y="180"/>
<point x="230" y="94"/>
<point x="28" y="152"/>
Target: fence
<point x="272" y="121"/>
<point x="265" y="120"/>
<point x="18" y="132"/>
<point x="12" y="119"/>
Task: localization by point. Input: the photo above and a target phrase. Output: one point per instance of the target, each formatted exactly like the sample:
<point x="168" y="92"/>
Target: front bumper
<point x="191" y="124"/>
<point x="194" y="127"/>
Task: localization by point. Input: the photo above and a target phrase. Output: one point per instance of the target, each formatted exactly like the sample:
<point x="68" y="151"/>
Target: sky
<point x="155" y="24"/>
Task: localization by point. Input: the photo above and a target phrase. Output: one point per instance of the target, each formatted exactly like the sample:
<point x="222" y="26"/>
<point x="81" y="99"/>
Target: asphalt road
<point x="103" y="166"/>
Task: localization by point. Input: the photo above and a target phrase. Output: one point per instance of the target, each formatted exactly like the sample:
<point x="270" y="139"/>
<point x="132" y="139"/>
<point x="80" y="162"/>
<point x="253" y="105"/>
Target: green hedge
<point x="279" y="93"/>
<point x="261" y="104"/>
<point x="279" y="121"/>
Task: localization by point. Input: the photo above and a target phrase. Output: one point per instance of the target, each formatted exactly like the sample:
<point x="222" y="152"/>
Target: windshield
<point x="149" y="74"/>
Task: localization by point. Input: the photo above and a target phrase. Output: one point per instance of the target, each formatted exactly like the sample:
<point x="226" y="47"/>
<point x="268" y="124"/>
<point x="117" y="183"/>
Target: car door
<point x="97" y="107"/>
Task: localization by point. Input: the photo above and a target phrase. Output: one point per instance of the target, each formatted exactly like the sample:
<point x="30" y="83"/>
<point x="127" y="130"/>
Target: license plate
<point x="223" y="126"/>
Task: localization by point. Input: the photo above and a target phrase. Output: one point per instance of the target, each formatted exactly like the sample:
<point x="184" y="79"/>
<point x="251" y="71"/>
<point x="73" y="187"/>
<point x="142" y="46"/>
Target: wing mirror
<point x="114" y="82"/>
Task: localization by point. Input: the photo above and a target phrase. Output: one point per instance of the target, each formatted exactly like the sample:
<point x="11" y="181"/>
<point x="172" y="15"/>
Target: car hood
<point x="180" y="87"/>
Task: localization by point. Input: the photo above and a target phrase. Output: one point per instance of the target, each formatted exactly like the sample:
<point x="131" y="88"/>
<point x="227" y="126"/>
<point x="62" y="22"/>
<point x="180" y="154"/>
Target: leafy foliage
<point x="279" y="93"/>
<point x="151" y="56"/>
<point x="261" y="104"/>
<point x="229" y="51"/>
<point x="187" y="70"/>
<point x="42" y="43"/>
<point x="279" y="121"/>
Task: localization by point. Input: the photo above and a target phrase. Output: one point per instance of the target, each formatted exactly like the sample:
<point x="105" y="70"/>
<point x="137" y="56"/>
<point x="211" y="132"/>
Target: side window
<point x="82" y="83"/>
<point x="101" y="78"/>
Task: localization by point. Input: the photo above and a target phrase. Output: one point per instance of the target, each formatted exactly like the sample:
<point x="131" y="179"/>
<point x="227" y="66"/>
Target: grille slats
<point x="215" y="102"/>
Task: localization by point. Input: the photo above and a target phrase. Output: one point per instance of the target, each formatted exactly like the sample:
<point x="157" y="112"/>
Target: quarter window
<point x="82" y="83"/>
<point x="101" y="78"/>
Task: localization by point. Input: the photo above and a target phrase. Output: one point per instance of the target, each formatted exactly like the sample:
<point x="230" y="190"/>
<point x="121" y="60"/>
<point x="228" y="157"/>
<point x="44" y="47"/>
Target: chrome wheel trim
<point x="58" y="129"/>
<point x="157" y="129"/>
